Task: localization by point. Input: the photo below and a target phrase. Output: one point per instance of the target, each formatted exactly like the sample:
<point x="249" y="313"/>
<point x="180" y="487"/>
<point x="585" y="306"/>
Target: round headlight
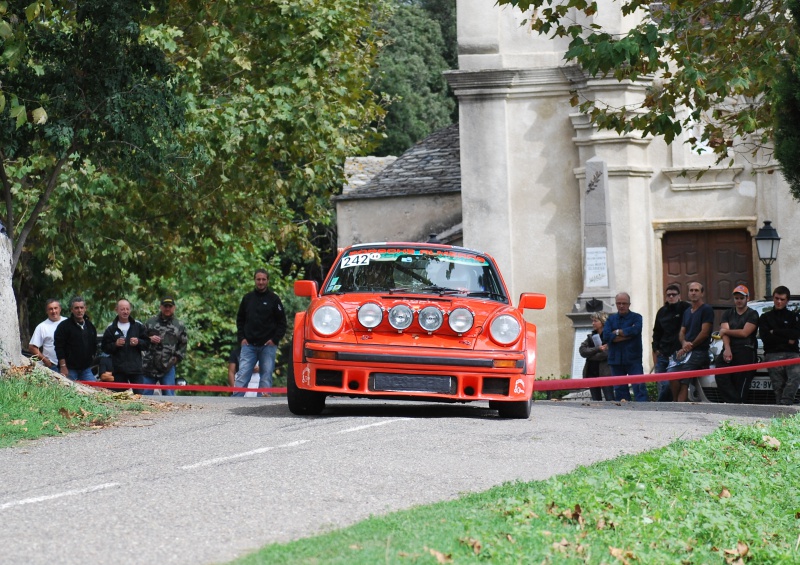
<point x="370" y="315"/>
<point x="430" y="318"/>
<point x="460" y="320"/>
<point x="326" y="320"/>
<point x="401" y="316"/>
<point x="505" y="329"/>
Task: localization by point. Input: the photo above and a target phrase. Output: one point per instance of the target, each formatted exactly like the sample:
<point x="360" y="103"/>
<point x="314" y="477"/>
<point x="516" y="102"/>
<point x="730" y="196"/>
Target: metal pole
<point x="769" y="282"/>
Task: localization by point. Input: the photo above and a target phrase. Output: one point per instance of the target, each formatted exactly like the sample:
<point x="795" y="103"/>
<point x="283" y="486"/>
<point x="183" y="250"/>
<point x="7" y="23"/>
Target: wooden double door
<point x="718" y="259"/>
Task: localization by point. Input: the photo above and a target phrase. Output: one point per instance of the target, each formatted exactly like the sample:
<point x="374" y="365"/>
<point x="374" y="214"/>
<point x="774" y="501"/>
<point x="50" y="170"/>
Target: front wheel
<point x="517" y="410"/>
<point x="303" y="402"/>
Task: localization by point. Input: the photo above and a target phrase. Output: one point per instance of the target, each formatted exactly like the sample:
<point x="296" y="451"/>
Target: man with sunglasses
<point x="666" y="331"/>
<point x="167" y="346"/>
<point x="739" y="346"/>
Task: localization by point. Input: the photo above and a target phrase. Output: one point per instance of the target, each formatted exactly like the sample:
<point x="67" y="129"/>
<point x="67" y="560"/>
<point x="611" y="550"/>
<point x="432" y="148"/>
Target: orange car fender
<point x="530" y="350"/>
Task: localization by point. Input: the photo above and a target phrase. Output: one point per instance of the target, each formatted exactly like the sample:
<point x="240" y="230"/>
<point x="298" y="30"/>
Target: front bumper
<point x="409" y="372"/>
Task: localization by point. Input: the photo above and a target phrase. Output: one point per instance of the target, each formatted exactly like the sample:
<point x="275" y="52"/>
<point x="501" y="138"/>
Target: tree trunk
<point x="10" y="352"/>
<point x="23" y="292"/>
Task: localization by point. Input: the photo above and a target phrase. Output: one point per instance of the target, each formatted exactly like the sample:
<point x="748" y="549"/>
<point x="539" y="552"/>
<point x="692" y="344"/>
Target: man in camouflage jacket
<point x="167" y="346"/>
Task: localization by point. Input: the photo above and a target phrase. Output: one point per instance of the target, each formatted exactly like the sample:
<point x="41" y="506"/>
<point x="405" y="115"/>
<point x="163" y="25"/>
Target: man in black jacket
<point x="666" y="330"/>
<point x="124" y="340"/>
<point x="76" y="343"/>
<point x="260" y="325"/>
<point x="779" y="330"/>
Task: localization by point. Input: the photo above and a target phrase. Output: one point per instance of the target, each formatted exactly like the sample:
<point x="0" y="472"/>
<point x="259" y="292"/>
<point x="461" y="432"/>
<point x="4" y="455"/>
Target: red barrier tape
<point x="199" y="388"/>
<point x="594" y="382"/>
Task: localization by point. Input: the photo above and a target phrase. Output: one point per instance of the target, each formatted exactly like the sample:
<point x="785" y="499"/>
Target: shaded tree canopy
<point x="411" y="75"/>
<point x="787" y="109"/>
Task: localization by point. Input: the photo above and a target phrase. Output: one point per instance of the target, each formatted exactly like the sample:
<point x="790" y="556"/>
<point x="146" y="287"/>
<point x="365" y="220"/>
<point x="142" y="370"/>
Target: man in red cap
<point x="738" y="333"/>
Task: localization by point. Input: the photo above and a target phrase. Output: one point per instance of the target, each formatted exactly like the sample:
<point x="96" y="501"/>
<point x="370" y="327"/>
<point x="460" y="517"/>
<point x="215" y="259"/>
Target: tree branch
<point x="7" y="197"/>
<point x="37" y="210"/>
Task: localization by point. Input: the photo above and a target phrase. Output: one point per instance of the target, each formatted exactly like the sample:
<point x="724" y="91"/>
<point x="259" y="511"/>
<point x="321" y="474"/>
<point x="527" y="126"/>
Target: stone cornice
<point x="702" y="178"/>
<point x="508" y="82"/>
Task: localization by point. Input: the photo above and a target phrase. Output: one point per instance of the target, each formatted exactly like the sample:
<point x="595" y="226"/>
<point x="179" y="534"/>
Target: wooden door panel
<point x="719" y="259"/>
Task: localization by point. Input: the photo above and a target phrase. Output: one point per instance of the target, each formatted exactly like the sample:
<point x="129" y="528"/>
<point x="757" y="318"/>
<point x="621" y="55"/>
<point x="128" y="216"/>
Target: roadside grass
<point x="732" y="497"/>
<point x="33" y="405"/>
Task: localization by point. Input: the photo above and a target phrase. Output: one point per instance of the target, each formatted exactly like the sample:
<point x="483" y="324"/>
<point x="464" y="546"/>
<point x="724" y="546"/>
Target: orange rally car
<point x="413" y="321"/>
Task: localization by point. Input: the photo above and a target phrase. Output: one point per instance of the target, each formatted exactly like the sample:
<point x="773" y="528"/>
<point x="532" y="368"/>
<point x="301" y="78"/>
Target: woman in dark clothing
<point x="595" y="351"/>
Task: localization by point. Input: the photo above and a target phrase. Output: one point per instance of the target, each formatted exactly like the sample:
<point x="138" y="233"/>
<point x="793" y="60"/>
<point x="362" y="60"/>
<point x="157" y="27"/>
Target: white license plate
<point x="761" y="384"/>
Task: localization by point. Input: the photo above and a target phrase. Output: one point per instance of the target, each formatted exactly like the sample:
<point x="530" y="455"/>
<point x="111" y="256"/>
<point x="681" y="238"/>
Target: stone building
<point x="580" y="214"/>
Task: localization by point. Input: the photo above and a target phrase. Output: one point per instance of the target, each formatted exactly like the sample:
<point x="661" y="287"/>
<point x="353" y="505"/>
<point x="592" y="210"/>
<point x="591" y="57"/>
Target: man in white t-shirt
<point x="42" y="344"/>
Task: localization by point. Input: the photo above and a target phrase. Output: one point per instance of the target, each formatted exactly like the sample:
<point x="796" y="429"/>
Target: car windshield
<point x="417" y="270"/>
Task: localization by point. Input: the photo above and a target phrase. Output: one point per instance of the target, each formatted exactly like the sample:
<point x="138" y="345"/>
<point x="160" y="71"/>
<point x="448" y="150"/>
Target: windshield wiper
<point x="488" y="293"/>
<point x="442" y="290"/>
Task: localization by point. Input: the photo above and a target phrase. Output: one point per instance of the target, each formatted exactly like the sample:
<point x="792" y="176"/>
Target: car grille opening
<point x="403" y="382"/>
<point x="326" y="377"/>
<point x="495" y="385"/>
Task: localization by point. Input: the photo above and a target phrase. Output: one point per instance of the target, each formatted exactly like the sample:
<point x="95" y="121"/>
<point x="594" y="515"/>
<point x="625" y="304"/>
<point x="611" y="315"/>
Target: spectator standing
<point x="43" y="344"/>
<point x="738" y="332"/>
<point x="233" y="368"/>
<point x="124" y="340"/>
<point x="623" y="333"/>
<point x="597" y="357"/>
<point x="167" y="348"/>
<point x="76" y="343"/>
<point x="260" y="324"/>
<point x="695" y="338"/>
<point x="666" y="332"/>
<point x="780" y="332"/>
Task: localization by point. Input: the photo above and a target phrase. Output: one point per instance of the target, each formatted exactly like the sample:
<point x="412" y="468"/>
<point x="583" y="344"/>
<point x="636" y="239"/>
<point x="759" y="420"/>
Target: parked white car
<point x="704" y="389"/>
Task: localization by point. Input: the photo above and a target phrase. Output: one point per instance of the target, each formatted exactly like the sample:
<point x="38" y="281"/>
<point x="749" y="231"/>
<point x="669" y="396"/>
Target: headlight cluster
<point x="504" y="329"/>
<point x="430" y="318"/>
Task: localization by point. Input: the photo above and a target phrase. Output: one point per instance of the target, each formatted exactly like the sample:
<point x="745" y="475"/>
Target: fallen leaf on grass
<point x="561" y="546"/>
<point x="623" y="555"/>
<point x="770" y="442"/>
<point x="18" y="422"/>
<point x="66" y="413"/>
<point x="473" y="543"/>
<point x="355" y="546"/>
<point x="736" y="556"/>
<point x="440" y="557"/>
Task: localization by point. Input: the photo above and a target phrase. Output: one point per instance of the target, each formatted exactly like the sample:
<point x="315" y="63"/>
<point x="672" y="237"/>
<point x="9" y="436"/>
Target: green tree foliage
<point x="787" y="110"/>
<point x="444" y="13"/>
<point x="713" y="63"/>
<point x="81" y="86"/>
<point x="411" y="67"/>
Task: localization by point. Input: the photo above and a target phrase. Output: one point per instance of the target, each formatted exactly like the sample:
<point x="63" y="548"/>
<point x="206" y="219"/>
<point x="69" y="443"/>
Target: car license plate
<point x="389" y="382"/>
<point x="761" y="384"/>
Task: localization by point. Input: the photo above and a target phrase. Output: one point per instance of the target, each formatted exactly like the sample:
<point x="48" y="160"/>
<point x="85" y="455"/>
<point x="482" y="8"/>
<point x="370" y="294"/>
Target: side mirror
<point x="530" y="301"/>
<point x="305" y="288"/>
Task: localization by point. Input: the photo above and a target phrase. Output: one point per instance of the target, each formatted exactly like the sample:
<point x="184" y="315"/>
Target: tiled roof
<point x="360" y="170"/>
<point x="431" y="166"/>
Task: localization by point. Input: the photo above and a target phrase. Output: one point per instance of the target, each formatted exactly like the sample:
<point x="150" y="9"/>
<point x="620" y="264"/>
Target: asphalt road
<point x="215" y="481"/>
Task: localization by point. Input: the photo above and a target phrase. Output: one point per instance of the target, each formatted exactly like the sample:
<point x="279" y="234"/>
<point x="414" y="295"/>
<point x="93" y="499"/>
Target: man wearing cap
<point x="260" y="325"/>
<point x="739" y="346"/>
<point x="168" y="341"/>
<point x="779" y="330"/>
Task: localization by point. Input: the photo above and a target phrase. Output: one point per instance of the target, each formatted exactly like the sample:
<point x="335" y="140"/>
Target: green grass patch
<point x="33" y="405"/>
<point x="731" y="497"/>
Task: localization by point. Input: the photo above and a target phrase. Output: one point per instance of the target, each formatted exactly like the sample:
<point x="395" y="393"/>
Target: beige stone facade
<point x="524" y="151"/>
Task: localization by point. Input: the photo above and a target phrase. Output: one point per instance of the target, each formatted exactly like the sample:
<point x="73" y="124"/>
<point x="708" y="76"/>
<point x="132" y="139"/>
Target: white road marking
<point x="58" y="495"/>
<point x="348" y="430"/>
<point x="216" y="460"/>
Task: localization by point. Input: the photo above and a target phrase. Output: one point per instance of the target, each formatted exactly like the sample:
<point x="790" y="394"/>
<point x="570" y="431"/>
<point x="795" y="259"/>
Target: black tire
<point x="303" y="402"/>
<point x="518" y="410"/>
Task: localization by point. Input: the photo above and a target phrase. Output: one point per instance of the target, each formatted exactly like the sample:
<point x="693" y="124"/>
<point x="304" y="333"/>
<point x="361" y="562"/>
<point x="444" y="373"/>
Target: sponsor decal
<point x="306" y="376"/>
<point x="519" y="387"/>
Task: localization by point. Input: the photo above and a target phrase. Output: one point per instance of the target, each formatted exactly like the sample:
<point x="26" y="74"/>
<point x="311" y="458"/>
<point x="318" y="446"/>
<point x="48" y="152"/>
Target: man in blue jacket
<point x="260" y="325"/>
<point x="623" y="333"/>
